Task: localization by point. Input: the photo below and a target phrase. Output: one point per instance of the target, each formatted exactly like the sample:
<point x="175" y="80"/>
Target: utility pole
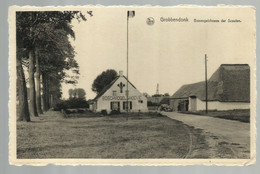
<point x="127" y="104"/>
<point x="206" y="83"/>
<point x="157" y="96"/>
<point x="130" y="14"/>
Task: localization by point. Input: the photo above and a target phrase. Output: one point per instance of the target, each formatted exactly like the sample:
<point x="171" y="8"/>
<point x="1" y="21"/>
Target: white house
<point x="228" y="89"/>
<point x="114" y="97"/>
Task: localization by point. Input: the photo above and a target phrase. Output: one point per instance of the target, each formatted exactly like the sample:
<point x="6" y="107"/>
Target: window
<point x="115" y="106"/>
<point x="125" y="105"/>
<point x="114" y="93"/>
<point x="140" y="101"/>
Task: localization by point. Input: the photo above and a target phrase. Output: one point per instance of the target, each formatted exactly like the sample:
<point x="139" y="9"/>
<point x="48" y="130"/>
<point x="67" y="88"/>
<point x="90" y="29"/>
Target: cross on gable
<point x="121" y="85"/>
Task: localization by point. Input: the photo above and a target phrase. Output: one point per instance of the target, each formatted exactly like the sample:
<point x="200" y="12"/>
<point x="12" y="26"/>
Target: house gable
<point x="117" y="88"/>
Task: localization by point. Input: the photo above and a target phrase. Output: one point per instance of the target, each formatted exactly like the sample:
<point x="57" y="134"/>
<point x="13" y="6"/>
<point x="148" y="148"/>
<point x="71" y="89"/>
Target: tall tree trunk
<point x="44" y="89"/>
<point x="46" y="103"/>
<point x="38" y="84"/>
<point x="51" y="100"/>
<point x="47" y="96"/>
<point x="23" y="110"/>
<point x="32" y="103"/>
<point x="42" y="92"/>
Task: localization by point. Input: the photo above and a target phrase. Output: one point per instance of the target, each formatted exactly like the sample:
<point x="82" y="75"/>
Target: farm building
<point x="114" y="97"/>
<point x="228" y="89"/>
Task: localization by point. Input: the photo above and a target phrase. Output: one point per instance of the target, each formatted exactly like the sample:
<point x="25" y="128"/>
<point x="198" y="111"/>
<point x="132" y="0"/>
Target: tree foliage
<point x="49" y="33"/>
<point x="166" y="94"/>
<point x="102" y="80"/>
<point x="77" y="93"/>
<point x="44" y="37"/>
<point x="146" y="94"/>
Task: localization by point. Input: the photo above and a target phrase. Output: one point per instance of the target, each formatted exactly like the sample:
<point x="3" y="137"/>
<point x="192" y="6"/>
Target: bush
<point x="71" y="104"/>
<point x="114" y="112"/>
<point x="104" y="112"/>
<point x="60" y="106"/>
<point x="81" y="111"/>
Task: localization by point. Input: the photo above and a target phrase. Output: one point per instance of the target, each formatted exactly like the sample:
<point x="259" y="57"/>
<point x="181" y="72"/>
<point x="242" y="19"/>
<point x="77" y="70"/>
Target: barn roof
<point x="231" y="82"/>
<point x="109" y="86"/>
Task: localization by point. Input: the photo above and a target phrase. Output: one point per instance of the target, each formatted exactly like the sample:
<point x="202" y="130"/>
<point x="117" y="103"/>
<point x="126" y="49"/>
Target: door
<point x="193" y="104"/>
<point x="183" y="105"/>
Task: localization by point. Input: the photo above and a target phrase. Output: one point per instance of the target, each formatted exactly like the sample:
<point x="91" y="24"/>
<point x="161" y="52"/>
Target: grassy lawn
<point x="242" y="115"/>
<point x="90" y="136"/>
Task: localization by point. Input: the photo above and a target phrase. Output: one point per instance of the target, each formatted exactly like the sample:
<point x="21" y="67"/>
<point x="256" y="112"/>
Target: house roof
<point x="231" y="82"/>
<point x="109" y="86"/>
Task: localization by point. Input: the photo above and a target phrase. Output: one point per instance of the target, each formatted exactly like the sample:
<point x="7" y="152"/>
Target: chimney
<point x="120" y="73"/>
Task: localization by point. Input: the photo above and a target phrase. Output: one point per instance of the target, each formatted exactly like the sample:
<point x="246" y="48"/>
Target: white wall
<point x="216" y="105"/>
<point x="103" y="102"/>
<point x="192" y="104"/>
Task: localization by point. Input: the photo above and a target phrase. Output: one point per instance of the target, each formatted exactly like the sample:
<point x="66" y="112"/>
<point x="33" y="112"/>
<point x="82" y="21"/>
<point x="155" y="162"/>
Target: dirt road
<point x="229" y="134"/>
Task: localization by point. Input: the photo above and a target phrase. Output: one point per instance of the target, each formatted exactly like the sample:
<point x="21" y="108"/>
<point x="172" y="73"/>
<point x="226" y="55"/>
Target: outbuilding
<point x="114" y="97"/>
<point x="228" y="89"/>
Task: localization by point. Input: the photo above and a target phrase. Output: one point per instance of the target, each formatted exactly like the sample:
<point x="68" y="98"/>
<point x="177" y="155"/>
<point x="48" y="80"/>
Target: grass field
<point x="88" y="135"/>
<point x="91" y="136"/>
<point x="242" y="115"/>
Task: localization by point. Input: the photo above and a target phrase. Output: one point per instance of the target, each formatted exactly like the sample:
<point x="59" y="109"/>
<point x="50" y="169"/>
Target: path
<point x="235" y="133"/>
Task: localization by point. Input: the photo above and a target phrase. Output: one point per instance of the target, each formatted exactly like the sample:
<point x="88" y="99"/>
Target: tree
<point x="102" y="80"/>
<point x="166" y="94"/>
<point x="55" y="58"/>
<point x="32" y="97"/>
<point x="146" y="94"/>
<point x="78" y="93"/>
<point x="23" y="109"/>
<point x="38" y="83"/>
<point x="40" y="34"/>
<point x="81" y="94"/>
<point x="70" y="93"/>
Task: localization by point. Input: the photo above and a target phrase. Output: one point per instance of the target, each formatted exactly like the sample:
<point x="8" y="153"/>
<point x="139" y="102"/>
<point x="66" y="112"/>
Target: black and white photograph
<point x="137" y="85"/>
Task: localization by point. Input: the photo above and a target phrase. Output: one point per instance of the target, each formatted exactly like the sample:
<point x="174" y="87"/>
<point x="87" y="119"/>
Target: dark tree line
<point x="44" y="49"/>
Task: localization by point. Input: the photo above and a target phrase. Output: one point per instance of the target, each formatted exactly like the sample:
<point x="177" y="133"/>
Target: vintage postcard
<point x="132" y="85"/>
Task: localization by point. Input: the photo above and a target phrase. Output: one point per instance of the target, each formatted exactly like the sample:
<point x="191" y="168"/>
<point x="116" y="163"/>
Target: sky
<point x="170" y="54"/>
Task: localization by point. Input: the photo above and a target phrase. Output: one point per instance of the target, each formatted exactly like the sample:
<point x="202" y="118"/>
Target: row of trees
<point x="44" y="49"/>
